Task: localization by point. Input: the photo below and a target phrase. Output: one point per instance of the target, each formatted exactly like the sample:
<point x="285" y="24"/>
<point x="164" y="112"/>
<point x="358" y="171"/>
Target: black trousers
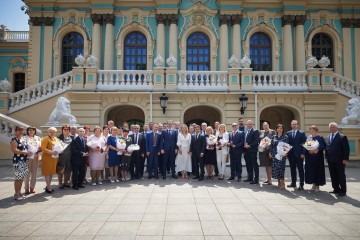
<point x="135" y="165"/>
<point x="299" y="164"/>
<point x="235" y="163"/>
<point x="78" y="174"/>
<point x="198" y="163"/>
<point x="338" y="177"/>
<point x="252" y="165"/>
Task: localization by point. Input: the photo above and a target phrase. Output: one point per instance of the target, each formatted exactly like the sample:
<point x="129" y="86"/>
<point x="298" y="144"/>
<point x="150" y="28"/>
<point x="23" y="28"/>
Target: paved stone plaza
<point x="180" y="209"/>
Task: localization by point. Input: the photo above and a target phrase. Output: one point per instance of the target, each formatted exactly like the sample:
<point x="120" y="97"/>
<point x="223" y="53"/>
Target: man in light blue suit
<point x="152" y="142"/>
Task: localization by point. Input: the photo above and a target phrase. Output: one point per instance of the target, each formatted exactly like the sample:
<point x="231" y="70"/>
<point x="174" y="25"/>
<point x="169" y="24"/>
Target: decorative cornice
<point x="346" y="22"/>
<point x="109" y="18"/>
<point x="299" y="20"/>
<point x="38" y="21"/>
<point x="287" y="19"/>
<point x="236" y="19"/>
<point x="160" y="18"/>
<point x="173" y="18"/>
<point x="356" y="23"/>
<point x="96" y="18"/>
<point x="224" y="19"/>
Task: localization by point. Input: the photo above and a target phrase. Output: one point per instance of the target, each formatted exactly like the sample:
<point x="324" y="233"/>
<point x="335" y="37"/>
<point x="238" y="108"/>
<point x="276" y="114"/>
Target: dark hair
<point x="65" y="126"/>
<point x="125" y="130"/>
<point x="18" y="128"/>
<point x="29" y="128"/>
<point x="87" y="127"/>
<point x="105" y="127"/>
<point x="280" y="126"/>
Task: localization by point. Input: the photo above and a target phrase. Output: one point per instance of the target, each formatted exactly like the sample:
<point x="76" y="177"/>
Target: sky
<point x="12" y="16"/>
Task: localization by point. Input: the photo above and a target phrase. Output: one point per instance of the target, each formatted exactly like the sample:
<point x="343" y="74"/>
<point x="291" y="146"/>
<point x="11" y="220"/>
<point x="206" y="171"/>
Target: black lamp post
<point x="243" y="100"/>
<point x="163" y="102"/>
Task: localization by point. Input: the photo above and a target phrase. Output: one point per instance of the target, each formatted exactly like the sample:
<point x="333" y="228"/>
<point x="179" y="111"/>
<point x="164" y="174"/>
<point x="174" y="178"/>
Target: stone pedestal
<point x="326" y="79"/>
<point x="353" y="134"/>
<point x="78" y="77"/>
<point x="246" y="75"/>
<point x="234" y="78"/>
<point x="159" y="78"/>
<point x="4" y="102"/>
<point x="314" y="79"/>
<point x="171" y="78"/>
<point x="90" y="78"/>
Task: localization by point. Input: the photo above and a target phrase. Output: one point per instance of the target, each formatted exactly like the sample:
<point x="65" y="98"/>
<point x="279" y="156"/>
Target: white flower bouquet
<point x="59" y="147"/>
<point x="311" y="145"/>
<point x="221" y="143"/>
<point x="210" y="141"/>
<point x="93" y="144"/>
<point x="282" y="149"/>
<point x="33" y="147"/>
<point x="264" y="144"/>
<point x="133" y="147"/>
<point x="120" y="144"/>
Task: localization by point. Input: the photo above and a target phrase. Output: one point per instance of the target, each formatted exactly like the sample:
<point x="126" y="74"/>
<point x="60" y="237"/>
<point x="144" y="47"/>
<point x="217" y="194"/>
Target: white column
<point x="357" y="50"/>
<point x="160" y="38"/>
<point x="96" y="37"/>
<point x="109" y="42"/>
<point x="287" y="43"/>
<point x="173" y="43"/>
<point x="299" y="43"/>
<point x="236" y="42"/>
<point x="346" y="24"/>
<point x="224" y="40"/>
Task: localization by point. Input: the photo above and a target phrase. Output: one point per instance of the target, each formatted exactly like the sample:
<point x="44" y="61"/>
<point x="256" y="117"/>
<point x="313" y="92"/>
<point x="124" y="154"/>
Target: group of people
<point x="176" y="151"/>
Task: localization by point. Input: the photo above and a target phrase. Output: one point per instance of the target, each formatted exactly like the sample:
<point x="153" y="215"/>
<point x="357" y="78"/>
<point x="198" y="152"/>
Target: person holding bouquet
<point x="222" y="149"/>
<point x="126" y="157"/>
<point x="210" y="152"/>
<point x="49" y="157"/>
<point x="114" y="157"/>
<point x="183" y="158"/>
<point x="314" y="159"/>
<point x="33" y="143"/>
<point x="65" y="158"/>
<point x="97" y="147"/>
<point x="278" y="164"/>
<point x="265" y="137"/>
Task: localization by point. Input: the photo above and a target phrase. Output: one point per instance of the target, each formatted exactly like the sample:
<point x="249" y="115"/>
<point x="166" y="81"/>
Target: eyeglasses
<point x="234" y="126"/>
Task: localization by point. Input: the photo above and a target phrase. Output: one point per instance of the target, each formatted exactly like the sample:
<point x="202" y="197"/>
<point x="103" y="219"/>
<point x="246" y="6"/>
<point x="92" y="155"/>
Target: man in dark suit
<point x="142" y="163"/>
<point x="337" y="154"/>
<point x="152" y="143"/>
<point x="79" y="151"/>
<point x="169" y="149"/>
<point x="250" y="155"/>
<point x="296" y="157"/>
<point x="197" y="149"/>
<point x="236" y="144"/>
<point x="137" y="157"/>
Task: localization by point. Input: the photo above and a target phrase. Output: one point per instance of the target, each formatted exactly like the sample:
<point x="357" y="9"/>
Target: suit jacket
<point x="338" y="149"/>
<point x="168" y="140"/>
<point x="198" y="145"/>
<point x="252" y="139"/>
<point x="237" y="140"/>
<point x="296" y="143"/>
<point x="78" y="147"/>
<point x="149" y="142"/>
<point x="141" y="143"/>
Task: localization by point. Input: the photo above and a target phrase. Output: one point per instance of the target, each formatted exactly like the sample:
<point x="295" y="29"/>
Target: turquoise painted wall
<point x="5" y="65"/>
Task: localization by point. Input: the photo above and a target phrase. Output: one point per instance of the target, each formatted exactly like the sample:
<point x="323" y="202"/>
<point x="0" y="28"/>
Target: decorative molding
<point x="18" y="62"/>
<point x="346" y="22"/>
<point x="38" y="21"/>
<point x="109" y="18"/>
<point x="236" y="19"/>
<point x="356" y="23"/>
<point x="224" y="19"/>
<point x="96" y="18"/>
<point x="299" y="20"/>
<point x="261" y="18"/>
<point x="287" y="20"/>
<point x="173" y="18"/>
<point x="320" y="19"/>
<point x="160" y="18"/>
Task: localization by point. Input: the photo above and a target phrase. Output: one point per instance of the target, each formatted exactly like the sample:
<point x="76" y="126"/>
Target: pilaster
<point x="314" y="79"/>
<point x="4" y="102"/>
<point x="224" y="46"/>
<point x="159" y="74"/>
<point x="326" y="79"/>
<point x="90" y="78"/>
<point x="171" y="78"/>
<point x="109" y="42"/>
<point x="246" y="76"/>
<point x="78" y="78"/>
<point x="234" y="79"/>
<point x="287" y="21"/>
<point x="299" y="43"/>
<point x="96" y="37"/>
<point x="173" y="43"/>
<point x="236" y="40"/>
<point x="357" y="49"/>
<point x="346" y="25"/>
<point x="160" y="39"/>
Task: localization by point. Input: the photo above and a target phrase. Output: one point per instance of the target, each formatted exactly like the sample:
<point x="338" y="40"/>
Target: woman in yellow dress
<point x="49" y="157"/>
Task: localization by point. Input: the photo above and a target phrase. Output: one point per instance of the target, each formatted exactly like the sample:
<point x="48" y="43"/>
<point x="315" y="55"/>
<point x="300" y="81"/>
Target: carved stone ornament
<point x="245" y="62"/>
<point x="159" y="61"/>
<point x="91" y="61"/>
<point x="80" y="60"/>
<point x="234" y="61"/>
<point x="171" y="61"/>
<point x="352" y="113"/>
<point x="5" y="85"/>
<point x="324" y="62"/>
<point x="311" y="62"/>
<point x="62" y="111"/>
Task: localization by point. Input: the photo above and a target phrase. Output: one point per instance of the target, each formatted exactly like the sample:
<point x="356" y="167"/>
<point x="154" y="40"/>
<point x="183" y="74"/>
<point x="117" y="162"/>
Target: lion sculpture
<point x="352" y="112"/>
<point x="62" y="110"/>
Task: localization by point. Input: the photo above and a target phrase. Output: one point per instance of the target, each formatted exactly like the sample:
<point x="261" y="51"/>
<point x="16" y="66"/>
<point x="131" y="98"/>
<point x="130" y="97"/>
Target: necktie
<point x="293" y="134"/>
<point x="234" y="133"/>
<point x="154" y="139"/>
<point x="332" y="138"/>
<point x="136" y="138"/>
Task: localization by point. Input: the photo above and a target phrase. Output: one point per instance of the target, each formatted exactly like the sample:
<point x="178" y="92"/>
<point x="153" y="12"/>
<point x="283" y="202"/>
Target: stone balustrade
<point x="14" y="36"/>
<point x="125" y="80"/>
<point x="279" y="80"/>
<point x="346" y="86"/>
<point x="203" y="80"/>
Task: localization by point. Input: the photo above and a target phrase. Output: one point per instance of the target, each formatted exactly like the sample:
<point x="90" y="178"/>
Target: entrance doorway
<point x="275" y="115"/>
<point x="126" y="113"/>
<point x="200" y="114"/>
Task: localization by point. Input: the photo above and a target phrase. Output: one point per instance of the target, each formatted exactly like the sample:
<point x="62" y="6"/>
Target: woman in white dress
<point x="222" y="150"/>
<point x="183" y="158"/>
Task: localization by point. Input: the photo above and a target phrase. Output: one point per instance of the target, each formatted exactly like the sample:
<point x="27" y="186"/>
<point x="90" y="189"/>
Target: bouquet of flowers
<point x="264" y="144"/>
<point x="133" y="147"/>
<point x="120" y="144"/>
<point x="221" y="143"/>
<point x="33" y="147"/>
<point x="282" y="149"/>
<point x="311" y="145"/>
<point x="93" y="144"/>
<point x="59" y="147"/>
<point x="211" y="141"/>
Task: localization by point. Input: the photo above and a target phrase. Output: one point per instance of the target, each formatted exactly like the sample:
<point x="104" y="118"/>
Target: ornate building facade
<point x="126" y="37"/>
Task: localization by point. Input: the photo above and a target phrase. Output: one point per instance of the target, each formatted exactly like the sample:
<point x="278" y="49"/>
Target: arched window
<point x="135" y="49"/>
<point x="198" y="52"/>
<point x="321" y="45"/>
<point x="19" y="81"/>
<point x="72" y="45"/>
<point x="260" y="52"/>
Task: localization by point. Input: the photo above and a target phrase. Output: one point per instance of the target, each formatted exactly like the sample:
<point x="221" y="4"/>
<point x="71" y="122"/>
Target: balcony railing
<point x="203" y="80"/>
<point x="14" y="36"/>
<point x="125" y="80"/>
<point x="279" y="80"/>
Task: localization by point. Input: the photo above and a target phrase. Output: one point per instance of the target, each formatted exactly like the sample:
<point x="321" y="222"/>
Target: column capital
<point x="96" y="18"/>
<point x="224" y="19"/>
<point x="38" y="21"/>
<point x="346" y="22"/>
<point x="299" y="20"/>
<point x="287" y="20"/>
<point x="160" y="18"/>
<point x="109" y="18"/>
<point x="356" y="23"/>
<point x="173" y="18"/>
<point x="236" y="19"/>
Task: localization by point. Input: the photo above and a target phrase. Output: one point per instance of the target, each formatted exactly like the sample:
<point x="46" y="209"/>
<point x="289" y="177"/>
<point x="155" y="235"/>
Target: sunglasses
<point x="234" y="126"/>
<point x="66" y="129"/>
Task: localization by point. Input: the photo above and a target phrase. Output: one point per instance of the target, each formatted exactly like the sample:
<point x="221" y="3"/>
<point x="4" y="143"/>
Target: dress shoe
<point x="341" y="195"/>
<point x="254" y="182"/>
<point x="67" y="186"/>
<point x="75" y="188"/>
<point x="300" y="188"/>
<point x="174" y="176"/>
<point x="248" y="180"/>
<point x="49" y="191"/>
<point x="156" y="177"/>
<point x="81" y="186"/>
<point x="334" y="192"/>
<point x="196" y="177"/>
<point x="292" y="185"/>
<point x="201" y="178"/>
<point x="164" y="177"/>
<point x="150" y="177"/>
<point x="231" y="178"/>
